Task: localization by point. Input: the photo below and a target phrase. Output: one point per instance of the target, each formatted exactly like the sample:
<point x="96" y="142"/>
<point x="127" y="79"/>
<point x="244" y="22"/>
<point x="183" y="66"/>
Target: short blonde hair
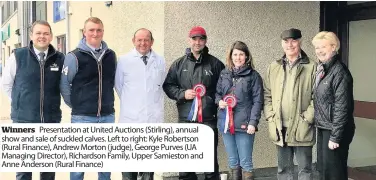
<point x="94" y="20"/>
<point x="330" y="36"/>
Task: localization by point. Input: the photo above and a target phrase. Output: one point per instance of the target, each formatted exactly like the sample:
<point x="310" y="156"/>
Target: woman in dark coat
<point x="241" y="83"/>
<point x="334" y="106"/>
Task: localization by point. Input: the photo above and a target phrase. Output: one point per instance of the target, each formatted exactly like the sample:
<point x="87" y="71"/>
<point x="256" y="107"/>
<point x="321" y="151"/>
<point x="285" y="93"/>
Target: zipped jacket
<point x="334" y="100"/>
<point x="186" y="72"/>
<point x="35" y="92"/>
<point x="88" y="80"/>
<point x="246" y="85"/>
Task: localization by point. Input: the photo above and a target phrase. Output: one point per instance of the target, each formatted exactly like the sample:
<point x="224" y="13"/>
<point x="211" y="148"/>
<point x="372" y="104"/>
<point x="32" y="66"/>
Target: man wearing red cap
<point x="196" y="67"/>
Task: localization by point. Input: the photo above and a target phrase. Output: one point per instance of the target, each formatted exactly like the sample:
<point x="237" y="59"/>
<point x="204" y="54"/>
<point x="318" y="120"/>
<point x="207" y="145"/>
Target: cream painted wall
<point x="362" y="58"/>
<point x="130" y="16"/>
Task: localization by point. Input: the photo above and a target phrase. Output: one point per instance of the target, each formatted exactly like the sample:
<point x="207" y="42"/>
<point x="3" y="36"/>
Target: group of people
<point x="296" y="95"/>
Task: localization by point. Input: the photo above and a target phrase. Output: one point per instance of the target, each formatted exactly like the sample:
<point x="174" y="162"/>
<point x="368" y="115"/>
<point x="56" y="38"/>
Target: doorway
<point x="355" y="25"/>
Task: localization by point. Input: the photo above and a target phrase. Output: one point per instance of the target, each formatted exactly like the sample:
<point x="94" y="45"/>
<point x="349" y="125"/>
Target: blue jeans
<point x="92" y="119"/>
<point x="80" y="175"/>
<point x="28" y="176"/>
<point x="239" y="148"/>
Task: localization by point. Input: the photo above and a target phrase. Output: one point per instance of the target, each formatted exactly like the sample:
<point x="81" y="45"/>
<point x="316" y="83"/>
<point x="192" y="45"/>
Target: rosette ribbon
<point x="195" y="114"/>
<point x="229" y="123"/>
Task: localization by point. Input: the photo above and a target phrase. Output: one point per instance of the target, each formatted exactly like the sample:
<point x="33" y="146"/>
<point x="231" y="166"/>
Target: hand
<point x="251" y="129"/>
<point x="332" y="145"/>
<point x="222" y="104"/>
<point x="189" y="94"/>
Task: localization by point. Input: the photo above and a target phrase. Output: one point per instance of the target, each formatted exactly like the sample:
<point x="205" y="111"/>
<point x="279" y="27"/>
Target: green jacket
<point x="301" y="131"/>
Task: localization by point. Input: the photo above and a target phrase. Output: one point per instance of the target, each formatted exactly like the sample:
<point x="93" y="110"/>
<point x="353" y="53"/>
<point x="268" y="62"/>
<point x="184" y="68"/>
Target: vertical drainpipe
<point x="67" y="26"/>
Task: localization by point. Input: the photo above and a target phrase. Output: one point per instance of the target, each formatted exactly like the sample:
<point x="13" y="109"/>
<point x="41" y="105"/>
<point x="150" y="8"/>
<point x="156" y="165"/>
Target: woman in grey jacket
<point x="239" y="96"/>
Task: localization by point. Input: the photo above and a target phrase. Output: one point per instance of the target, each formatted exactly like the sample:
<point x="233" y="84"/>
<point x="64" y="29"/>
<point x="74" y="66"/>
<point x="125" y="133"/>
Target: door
<point x="362" y="63"/>
<point x="355" y="25"/>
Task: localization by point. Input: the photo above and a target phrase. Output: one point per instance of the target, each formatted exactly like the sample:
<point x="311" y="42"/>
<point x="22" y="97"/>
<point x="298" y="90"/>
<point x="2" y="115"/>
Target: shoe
<point x="235" y="174"/>
<point x="248" y="175"/>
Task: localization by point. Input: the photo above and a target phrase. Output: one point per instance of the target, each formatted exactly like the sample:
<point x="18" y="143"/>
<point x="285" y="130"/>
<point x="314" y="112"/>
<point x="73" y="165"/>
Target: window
<point x="81" y="33"/>
<point x="9" y="51"/>
<point x="3" y="53"/>
<point x="40" y="10"/>
<point x="8" y="9"/>
<point x="59" y="10"/>
<point x="15" y="5"/>
<point x="2" y="14"/>
<point x="61" y="46"/>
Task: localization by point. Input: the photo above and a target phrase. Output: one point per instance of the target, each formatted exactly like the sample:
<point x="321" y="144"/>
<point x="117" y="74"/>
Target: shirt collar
<point x="37" y="52"/>
<point x="295" y="62"/>
<point x="92" y="48"/>
<point x="140" y="55"/>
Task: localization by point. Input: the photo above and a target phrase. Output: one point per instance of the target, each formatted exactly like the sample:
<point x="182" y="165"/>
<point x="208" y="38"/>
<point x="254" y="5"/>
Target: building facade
<point x="9" y="25"/>
<point x="258" y="24"/>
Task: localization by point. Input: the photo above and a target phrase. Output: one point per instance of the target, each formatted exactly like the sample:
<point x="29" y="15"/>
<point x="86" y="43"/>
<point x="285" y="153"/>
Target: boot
<point x="235" y="174"/>
<point x="247" y="175"/>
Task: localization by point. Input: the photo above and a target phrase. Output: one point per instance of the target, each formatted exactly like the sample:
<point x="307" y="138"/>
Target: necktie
<point x="97" y="50"/>
<point x="144" y="59"/>
<point x="41" y="55"/>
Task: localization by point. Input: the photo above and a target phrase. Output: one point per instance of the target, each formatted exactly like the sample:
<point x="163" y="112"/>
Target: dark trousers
<point x="28" y="176"/>
<point x="303" y="155"/>
<point x="208" y="175"/>
<point x="133" y="176"/>
<point x="332" y="164"/>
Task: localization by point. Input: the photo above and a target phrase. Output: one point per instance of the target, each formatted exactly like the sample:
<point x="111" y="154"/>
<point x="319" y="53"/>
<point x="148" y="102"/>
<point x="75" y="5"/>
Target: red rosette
<point x="230" y="100"/>
<point x="200" y="91"/>
<point x="231" y="103"/>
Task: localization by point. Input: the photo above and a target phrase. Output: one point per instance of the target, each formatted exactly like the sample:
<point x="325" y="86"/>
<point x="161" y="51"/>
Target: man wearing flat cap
<point x="288" y="90"/>
<point x="196" y="70"/>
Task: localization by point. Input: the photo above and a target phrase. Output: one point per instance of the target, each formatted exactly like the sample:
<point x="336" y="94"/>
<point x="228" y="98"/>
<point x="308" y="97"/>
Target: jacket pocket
<point x="304" y="131"/>
<point x="158" y="94"/>
<point x="273" y="131"/>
